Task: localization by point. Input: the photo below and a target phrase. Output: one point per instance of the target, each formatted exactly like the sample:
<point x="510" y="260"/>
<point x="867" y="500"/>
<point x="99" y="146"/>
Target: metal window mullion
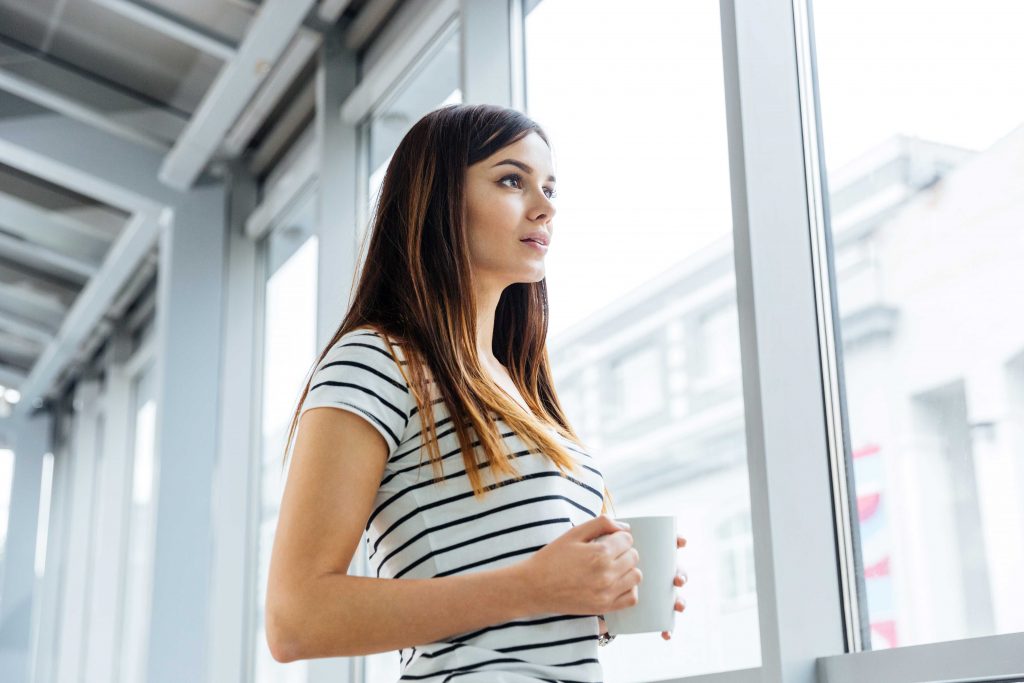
<point x="792" y="513"/>
<point x="826" y="302"/>
<point x="487" y="58"/>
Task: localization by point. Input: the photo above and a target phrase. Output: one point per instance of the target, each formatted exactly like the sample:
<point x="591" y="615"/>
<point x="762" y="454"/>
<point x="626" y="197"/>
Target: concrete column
<point x="337" y="211"/>
<point x="31" y="441"/>
<point x="189" y="329"/>
<point x="237" y="466"/>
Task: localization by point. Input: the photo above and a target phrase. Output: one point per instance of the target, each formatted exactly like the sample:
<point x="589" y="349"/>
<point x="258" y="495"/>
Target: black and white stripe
<point x="422" y="528"/>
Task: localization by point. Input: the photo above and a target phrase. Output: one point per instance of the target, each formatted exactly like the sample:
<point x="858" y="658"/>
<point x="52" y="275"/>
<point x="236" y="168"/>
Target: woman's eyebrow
<point x="521" y="166"/>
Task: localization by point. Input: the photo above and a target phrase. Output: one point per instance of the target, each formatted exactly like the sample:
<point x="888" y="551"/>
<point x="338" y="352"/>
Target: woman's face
<point x="508" y="197"/>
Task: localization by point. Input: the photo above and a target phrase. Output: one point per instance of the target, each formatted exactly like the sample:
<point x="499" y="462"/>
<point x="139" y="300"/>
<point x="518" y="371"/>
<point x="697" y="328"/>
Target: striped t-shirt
<point x="422" y="529"/>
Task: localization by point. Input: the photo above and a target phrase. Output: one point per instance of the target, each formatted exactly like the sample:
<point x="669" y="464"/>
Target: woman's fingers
<point x="680" y="542"/>
<point x="626" y="561"/>
<point x="679" y="607"/>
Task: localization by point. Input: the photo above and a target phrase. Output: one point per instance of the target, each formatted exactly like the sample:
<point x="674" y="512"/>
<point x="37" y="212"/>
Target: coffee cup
<point x="654" y="538"/>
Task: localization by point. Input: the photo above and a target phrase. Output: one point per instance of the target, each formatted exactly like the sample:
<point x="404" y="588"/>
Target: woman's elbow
<point x="282" y="638"/>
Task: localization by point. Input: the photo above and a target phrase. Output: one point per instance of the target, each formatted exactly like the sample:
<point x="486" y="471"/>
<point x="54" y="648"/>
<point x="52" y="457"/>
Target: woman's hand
<point x="679" y="581"/>
<point x="590" y="569"/>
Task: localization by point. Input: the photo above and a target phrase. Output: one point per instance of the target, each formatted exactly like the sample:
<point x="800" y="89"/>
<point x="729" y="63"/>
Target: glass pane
<point x="42" y="540"/>
<point x="434" y="83"/>
<point x="94" y="560"/>
<point x="140" y="521"/>
<point x="289" y="349"/>
<point x="922" y="104"/>
<point x="644" y="338"/>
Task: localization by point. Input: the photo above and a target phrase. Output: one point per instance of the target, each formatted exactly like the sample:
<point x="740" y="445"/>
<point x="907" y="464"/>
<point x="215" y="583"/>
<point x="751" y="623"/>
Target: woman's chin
<point x="535" y="276"/>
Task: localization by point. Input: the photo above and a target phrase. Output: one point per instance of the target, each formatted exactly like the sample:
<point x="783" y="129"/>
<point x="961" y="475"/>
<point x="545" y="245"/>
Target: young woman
<point x="431" y="423"/>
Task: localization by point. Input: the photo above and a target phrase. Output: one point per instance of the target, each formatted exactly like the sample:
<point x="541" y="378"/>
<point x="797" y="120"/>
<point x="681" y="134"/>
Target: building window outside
<point x="717" y="351"/>
<point x="637" y="385"/>
<point x="736" y="552"/>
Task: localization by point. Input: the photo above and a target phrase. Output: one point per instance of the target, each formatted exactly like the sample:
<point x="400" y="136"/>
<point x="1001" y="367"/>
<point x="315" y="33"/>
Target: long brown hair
<point x="418" y="293"/>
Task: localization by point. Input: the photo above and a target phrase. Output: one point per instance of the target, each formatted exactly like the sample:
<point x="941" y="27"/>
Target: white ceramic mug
<point x="654" y="538"/>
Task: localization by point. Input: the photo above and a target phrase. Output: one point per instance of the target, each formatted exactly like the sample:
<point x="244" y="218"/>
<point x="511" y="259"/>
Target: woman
<point x="495" y="520"/>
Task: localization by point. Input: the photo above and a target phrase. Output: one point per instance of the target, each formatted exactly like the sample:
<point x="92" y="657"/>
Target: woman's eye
<point x="517" y="182"/>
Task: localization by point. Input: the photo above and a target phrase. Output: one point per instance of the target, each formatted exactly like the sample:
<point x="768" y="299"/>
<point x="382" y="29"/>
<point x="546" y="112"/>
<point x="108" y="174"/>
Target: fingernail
<point x="624" y="525"/>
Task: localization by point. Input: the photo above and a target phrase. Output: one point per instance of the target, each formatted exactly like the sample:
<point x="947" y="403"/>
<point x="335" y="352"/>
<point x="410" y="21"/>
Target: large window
<point x="922" y="112"/>
<point x="289" y="349"/>
<point x="642" y="297"/>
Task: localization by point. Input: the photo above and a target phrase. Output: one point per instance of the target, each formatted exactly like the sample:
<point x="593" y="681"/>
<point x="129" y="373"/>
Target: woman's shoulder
<point x="374" y="332"/>
<point x="369" y="342"/>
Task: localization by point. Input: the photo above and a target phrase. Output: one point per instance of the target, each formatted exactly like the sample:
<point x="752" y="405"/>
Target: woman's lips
<point x="536" y="245"/>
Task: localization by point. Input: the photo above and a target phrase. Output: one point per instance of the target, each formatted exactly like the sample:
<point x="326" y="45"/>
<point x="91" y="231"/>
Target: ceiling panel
<point x="100" y="41"/>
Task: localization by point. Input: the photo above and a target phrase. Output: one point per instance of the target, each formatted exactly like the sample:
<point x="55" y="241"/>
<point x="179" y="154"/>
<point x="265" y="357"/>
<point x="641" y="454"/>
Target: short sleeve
<point x="359" y="375"/>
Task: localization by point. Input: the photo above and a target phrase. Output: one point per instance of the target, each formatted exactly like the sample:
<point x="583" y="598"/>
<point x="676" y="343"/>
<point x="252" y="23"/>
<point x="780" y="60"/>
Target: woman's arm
<point x="314" y="608"/>
<point x="343" y="616"/>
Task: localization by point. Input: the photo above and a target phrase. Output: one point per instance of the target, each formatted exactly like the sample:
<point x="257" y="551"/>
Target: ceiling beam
<point x="173" y="26"/>
<point x="128" y="252"/>
<point x="284" y="73"/>
<point x="366" y="23"/>
<point x="29" y="329"/>
<point x="330" y="10"/>
<point x="31" y="305"/>
<point x="425" y="21"/>
<point x="46" y="82"/>
<point x="11" y="378"/>
<point x="285" y="128"/>
<point x="97" y="164"/>
<point x="53" y="229"/>
<point x="44" y="258"/>
<point x="269" y="34"/>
